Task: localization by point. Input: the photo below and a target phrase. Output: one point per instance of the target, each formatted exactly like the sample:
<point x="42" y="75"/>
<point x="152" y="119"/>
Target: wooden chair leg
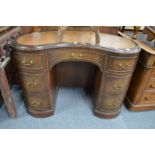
<point x="6" y="93"/>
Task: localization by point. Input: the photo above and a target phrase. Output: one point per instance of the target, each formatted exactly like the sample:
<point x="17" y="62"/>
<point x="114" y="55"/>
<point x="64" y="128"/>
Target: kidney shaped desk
<point x="103" y="67"/>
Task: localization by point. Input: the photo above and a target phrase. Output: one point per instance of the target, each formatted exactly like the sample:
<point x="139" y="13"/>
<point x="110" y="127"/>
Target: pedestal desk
<point x="102" y="64"/>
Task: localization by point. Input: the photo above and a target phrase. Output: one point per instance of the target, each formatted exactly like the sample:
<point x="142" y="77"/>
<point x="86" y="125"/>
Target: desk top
<point x="75" y="38"/>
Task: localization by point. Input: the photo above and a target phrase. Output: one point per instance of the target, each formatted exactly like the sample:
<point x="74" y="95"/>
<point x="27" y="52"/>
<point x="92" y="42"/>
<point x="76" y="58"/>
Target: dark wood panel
<point x="75" y="74"/>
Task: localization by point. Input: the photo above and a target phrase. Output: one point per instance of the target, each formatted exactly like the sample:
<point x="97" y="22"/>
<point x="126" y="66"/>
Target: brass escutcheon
<point x="117" y="86"/>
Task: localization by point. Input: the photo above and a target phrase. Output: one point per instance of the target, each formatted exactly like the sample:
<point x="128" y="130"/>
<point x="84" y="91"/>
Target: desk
<point x="102" y="66"/>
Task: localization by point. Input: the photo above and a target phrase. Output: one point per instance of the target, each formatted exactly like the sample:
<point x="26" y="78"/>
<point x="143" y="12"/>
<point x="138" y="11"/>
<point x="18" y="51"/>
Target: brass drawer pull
<point x="109" y="105"/>
<point x="32" y="84"/>
<point x="27" y="63"/>
<point x="112" y="105"/>
<point x="35" y="103"/>
<point x="117" y="86"/>
<point x="75" y="55"/>
<point x="123" y="66"/>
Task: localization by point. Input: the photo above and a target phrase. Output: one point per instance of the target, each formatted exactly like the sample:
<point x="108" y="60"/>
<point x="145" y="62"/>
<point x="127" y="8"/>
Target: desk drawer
<point x="30" y="61"/>
<point x="148" y="98"/>
<point x="121" y="64"/>
<point x="60" y="56"/>
<point x="115" y="85"/>
<point x="110" y="102"/>
<point x="39" y="101"/>
<point x="35" y="82"/>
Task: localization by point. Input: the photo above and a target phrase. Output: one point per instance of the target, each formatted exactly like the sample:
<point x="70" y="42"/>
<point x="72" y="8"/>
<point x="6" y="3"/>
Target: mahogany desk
<point x="102" y="66"/>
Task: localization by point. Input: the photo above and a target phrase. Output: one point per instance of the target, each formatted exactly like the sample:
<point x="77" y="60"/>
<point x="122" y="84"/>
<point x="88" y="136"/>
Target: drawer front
<point x="148" y="98"/>
<point x="39" y="102"/>
<point x="110" y="102"/>
<point x="59" y="56"/>
<point x="121" y="64"/>
<point x="150" y="85"/>
<point x="115" y="85"/>
<point x="33" y="61"/>
<point x="35" y="82"/>
<point x="153" y="74"/>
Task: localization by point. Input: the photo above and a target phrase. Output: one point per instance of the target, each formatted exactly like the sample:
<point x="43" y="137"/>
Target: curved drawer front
<point x="148" y="98"/>
<point x="115" y="85"/>
<point x="39" y="101"/>
<point x="35" y="82"/>
<point x="30" y="61"/>
<point x="121" y="64"/>
<point x="109" y="103"/>
<point x="76" y="55"/>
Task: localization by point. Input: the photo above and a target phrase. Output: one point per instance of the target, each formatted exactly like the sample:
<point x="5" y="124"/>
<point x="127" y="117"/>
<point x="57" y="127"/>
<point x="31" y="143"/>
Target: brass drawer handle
<point x="123" y="66"/>
<point x="75" y="55"/>
<point x="112" y="105"/>
<point x="27" y="63"/>
<point x="109" y="105"/>
<point x="32" y="84"/>
<point x="35" y="103"/>
<point x="117" y="86"/>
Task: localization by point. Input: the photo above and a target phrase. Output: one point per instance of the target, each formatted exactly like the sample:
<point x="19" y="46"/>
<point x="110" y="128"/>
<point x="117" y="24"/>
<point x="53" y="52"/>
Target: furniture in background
<point x="102" y="29"/>
<point x="141" y="93"/>
<point x="102" y="64"/>
<point x="135" y="30"/>
<point x="150" y="31"/>
<point x="6" y="33"/>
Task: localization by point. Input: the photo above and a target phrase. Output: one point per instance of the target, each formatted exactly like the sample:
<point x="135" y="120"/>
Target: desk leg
<point x="6" y="93"/>
<point x="106" y="106"/>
